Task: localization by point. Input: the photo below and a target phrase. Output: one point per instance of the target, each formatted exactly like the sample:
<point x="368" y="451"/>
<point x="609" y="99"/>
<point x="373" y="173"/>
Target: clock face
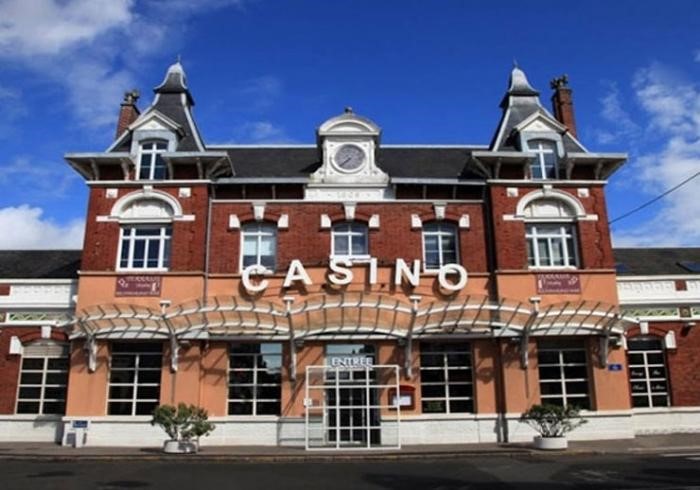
<point x="349" y="157"/>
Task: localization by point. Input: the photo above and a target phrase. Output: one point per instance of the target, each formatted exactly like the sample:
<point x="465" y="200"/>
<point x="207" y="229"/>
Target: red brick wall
<point x="306" y="241"/>
<point x="10" y="363"/>
<point x="595" y="246"/>
<point x="682" y="362"/>
<point x="102" y="238"/>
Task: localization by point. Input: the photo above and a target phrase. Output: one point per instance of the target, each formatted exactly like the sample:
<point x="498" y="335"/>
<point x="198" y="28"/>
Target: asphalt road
<point x="493" y="473"/>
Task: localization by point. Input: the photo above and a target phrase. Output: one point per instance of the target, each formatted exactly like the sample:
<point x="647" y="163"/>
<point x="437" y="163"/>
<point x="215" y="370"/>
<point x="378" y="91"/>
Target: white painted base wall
<point x="30" y="428"/>
<point x="666" y="420"/>
<point x="280" y="431"/>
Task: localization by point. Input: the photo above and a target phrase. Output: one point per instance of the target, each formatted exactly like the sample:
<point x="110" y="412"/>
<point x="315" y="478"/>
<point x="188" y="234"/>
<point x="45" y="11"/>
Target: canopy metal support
<point x="292" y="340"/>
<point x="605" y="340"/>
<point x="174" y="344"/>
<point x="408" y="353"/>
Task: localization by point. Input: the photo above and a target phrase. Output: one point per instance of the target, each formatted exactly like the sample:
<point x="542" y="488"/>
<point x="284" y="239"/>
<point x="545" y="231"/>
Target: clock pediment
<point x="348" y="145"/>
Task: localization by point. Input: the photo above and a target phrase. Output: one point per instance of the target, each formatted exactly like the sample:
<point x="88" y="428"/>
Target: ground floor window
<point x="134" y="378"/>
<point x="446" y="378"/>
<point x="43" y="379"/>
<point x="563" y="368"/>
<point x="255" y="379"/>
<point x="647" y="367"/>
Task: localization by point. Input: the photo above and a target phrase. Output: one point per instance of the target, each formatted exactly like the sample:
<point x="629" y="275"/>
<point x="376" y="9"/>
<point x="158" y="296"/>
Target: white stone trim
<point x="439" y="208"/>
<point x="259" y="211"/>
<point x="233" y="222"/>
<point x="583" y="192"/>
<point x="416" y="222"/>
<point x="283" y="222"/>
<point x="512" y="192"/>
<point x="326" y="222"/>
<point x="373" y="222"/>
<point x="464" y="222"/>
<point x="184" y="192"/>
<point x="349" y="208"/>
<point x="111" y="193"/>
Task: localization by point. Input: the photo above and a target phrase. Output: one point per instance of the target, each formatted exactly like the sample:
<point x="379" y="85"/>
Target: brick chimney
<point x="563" y="103"/>
<point x="128" y="111"/>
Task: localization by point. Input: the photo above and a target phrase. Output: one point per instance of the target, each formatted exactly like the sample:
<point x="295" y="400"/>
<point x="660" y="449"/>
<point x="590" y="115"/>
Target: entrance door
<point x="347" y="401"/>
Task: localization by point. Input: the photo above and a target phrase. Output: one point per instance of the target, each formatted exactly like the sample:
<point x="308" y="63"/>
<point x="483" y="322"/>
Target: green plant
<point x="552" y="420"/>
<point x="184" y="423"/>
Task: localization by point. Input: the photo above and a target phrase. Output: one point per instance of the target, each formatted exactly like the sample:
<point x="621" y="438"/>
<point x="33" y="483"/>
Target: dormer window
<point x="545" y="164"/>
<point x="151" y="163"/>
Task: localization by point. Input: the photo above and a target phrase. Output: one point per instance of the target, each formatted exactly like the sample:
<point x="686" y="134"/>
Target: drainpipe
<point x="205" y="293"/>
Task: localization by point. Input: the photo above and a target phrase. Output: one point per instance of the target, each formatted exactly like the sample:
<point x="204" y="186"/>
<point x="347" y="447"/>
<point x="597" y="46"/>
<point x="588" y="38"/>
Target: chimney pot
<point x="128" y="111"/>
<point x="563" y="103"/>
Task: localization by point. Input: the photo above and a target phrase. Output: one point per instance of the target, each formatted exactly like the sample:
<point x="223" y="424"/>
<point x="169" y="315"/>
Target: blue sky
<point x="269" y="71"/>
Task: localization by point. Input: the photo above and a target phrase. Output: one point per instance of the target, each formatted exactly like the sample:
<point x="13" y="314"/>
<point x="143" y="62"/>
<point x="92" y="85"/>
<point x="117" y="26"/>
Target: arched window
<point x="146" y="232"/>
<point x="43" y="378"/>
<point x="545" y="164"/>
<point x="349" y="240"/>
<point x="648" y="377"/>
<point x="151" y="164"/>
<point x="258" y="245"/>
<point x="440" y="245"/>
<point x="550" y="234"/>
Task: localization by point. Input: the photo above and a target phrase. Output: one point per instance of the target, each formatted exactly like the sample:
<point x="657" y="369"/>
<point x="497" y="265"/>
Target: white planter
<point x="179" y="447"/>
<point x="551" y="443"/>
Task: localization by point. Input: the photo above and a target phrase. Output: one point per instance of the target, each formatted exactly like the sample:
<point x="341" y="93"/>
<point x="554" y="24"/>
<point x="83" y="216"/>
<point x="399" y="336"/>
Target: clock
<point x="349" y="157"/>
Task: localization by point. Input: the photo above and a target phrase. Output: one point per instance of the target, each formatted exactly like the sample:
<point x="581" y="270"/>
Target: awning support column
<point x="174" y="344"/>
<point x="408" y="353"/>
<point x="525" y="338"/>
<point x="292" y="344"/>
<point x="605" y="340"/>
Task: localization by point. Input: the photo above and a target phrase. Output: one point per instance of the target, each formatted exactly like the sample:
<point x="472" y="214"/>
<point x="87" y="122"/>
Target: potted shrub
<point x="184" y="425"/>
<point x="552" y="422"/>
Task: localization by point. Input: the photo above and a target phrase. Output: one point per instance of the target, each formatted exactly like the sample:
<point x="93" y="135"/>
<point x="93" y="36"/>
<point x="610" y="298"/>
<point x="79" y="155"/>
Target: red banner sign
<point x="138" y="286"/>
<point x="558" y="283"/>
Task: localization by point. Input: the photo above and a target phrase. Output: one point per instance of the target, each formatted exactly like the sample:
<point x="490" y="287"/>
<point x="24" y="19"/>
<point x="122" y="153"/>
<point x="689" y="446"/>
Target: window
<point x="647" y="366"/>
<point x="134" y="378"/>
<point x="563" y="371"/>
<point x="145" y="247"/>
<point x="42" y="380"/>
<point x="255" y="379"/>
<point x="349" y="240"/>
<point x="259" y="246"/>
<point x="151" y="163"/>
<point x="545" y="164"/>
<point x="446" y="378"/>
<point x="439" y="245"/>
<point x="551" y="245"/>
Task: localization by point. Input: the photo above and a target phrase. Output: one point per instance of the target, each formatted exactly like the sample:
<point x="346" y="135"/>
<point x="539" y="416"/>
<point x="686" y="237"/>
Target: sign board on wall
<point x="558" y="283"/>
<point x="138" y="286"/>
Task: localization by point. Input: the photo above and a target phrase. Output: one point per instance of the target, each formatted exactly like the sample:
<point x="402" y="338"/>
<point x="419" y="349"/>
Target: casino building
<point x="346" y="294"/>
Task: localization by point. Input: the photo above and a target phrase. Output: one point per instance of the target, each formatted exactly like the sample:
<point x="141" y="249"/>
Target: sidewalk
<point x="669" y="443"/>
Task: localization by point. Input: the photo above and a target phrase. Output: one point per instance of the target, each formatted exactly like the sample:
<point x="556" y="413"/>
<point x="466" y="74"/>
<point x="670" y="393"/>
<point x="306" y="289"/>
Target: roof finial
<point x="179" y="58"/>
<point x="348" y="110"/>
<point x="515" y="63"/>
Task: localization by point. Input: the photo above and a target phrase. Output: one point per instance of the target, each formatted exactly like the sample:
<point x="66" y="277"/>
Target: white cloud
<point x="262" y="132"/>
<point x="46" y="27"/>
<point x="94" y="49"/>
<point x="26" y="228"/>
<point x="619" y="120"/>
<point x="672" y="106"/>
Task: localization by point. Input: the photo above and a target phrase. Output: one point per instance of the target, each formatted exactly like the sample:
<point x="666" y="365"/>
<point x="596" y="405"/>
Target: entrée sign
<point x="352" y="361"/>
<point x="341" y="274"/>
<point x="138" y="286"/>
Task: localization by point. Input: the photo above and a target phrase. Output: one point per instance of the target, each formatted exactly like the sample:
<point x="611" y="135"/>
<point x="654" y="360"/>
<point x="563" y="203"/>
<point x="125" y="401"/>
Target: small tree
<point x="184" y="423"/>
<point x="553" y="420"/>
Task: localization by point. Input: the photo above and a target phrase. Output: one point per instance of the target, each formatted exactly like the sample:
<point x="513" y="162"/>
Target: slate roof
<point x="654" y="261"/>
<point x="39" y="264"/>
<point x="300" y="161"/>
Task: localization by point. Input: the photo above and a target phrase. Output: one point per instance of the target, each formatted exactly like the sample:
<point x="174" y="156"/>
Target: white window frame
<point x="258" y="231"/>
<point x="446" y="368"/>
<point x="349" y="233"/>
<point x="565" y="235"/>
<point x="647" y="379"/>
<point x="256" y="369"/>
<point x="44" y="371"/>
<point x="541" y="147"/>
<point x="135" y="384"/>
<point x="441" y="230"/>
<point x="165" y="242"/>
<point x="567" y="398"/>
<point x="148" y="147"/>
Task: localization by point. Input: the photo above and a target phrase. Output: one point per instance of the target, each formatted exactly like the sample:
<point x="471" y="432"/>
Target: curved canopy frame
<point x="347" y="315"/>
